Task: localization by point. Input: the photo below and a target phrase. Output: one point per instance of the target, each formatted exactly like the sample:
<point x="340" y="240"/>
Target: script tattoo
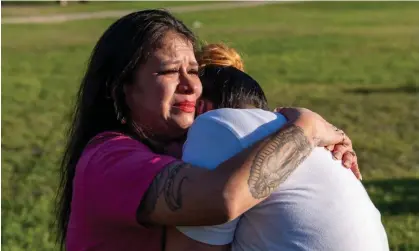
<point x="276" y="160"/>
<point x="167" y="183"/>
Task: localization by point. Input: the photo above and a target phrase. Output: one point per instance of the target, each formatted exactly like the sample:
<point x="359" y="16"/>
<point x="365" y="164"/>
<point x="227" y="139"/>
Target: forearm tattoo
<point x="277" y="159"/>
<point x="167" y="183"/>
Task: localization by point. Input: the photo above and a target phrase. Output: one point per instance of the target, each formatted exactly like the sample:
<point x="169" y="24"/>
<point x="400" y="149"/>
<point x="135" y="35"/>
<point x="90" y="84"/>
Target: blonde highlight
<point x="219" y="54"/>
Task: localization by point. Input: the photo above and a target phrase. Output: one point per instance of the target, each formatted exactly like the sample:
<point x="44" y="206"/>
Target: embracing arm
<point x="184" y="195"/>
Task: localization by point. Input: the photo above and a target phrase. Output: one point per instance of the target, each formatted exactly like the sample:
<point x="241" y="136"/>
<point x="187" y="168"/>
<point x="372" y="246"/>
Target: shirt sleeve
<point x="210" y="143"/>
<point x="116" y="179"/>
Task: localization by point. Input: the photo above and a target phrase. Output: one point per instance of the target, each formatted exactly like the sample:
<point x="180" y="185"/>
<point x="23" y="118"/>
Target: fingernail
<point x="347" y="164"/>
<point x="360" y="177"/>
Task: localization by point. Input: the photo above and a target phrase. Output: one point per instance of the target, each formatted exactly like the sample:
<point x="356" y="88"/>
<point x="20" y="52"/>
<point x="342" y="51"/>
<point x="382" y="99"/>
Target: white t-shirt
<point x="321" y="206"/>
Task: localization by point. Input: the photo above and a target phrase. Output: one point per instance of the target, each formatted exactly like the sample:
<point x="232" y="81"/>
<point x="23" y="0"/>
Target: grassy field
<point x="357" y="64"/>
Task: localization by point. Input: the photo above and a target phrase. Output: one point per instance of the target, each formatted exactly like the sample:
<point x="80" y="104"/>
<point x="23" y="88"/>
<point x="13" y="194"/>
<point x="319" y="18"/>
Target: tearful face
<point x="163" y="97"/>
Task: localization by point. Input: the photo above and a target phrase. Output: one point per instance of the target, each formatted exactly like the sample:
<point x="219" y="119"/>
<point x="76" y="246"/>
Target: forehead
<point x="174" y="47"/>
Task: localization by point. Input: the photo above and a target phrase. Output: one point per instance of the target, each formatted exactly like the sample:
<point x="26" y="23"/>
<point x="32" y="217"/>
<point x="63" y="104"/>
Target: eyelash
<point x="172" y="71"/>
<point x="193" y="71"/>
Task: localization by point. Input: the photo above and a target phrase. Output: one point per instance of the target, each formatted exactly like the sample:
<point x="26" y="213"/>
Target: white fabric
<point x="321" y="206"/>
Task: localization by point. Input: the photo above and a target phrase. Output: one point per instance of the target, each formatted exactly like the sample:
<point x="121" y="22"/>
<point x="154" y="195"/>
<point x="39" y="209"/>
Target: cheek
<point x="161" y="90"/>
<point x="167" y="89"/>
<point x="147" y="100"/>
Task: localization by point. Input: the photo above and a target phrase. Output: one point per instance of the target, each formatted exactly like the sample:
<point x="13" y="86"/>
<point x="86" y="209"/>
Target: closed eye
<point x="193" y="71"/>
<point x="168" y="72"/>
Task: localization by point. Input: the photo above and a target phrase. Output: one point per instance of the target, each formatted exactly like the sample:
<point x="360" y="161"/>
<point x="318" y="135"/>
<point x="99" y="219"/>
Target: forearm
<point x="181" y="195"/>
<point x="266" y="165"/>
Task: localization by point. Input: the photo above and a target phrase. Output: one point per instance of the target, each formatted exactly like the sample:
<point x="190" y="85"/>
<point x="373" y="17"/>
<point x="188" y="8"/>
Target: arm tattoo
<point x="277" y="159"/>
<point x="173" y="195"/>
<point x="167" y="183"/>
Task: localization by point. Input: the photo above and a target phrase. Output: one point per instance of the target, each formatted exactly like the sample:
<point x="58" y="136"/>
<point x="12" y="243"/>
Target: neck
<point x="158" y="144"/>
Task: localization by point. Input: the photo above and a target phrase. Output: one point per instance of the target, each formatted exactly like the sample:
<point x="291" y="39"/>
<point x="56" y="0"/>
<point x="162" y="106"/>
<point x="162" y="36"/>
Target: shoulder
<point x="113" y="175"/>
<point x="217" y="135"/>
<point x="114" y="141"/>
<point x="242" y="122"/>
<point x="112" y="150"/>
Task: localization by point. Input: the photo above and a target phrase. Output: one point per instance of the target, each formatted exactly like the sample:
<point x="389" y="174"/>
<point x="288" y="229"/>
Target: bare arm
<point x="181" y="195"/>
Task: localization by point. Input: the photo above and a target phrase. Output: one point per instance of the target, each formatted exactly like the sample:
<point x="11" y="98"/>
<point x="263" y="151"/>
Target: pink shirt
<point x="111" y="178"/>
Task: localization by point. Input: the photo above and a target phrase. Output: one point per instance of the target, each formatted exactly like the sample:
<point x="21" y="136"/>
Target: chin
<point x="185" y="121"/>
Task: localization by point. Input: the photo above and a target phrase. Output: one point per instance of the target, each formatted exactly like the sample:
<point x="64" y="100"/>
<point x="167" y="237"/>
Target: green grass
<point x="357" y="64"/>
<point x="50" y="8"/>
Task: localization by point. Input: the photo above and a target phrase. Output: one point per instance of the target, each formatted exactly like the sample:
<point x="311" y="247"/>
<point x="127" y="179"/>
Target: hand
<point x="323" y="134"/>
<point x="320" y="132"/>
<point x="345" y="152"/>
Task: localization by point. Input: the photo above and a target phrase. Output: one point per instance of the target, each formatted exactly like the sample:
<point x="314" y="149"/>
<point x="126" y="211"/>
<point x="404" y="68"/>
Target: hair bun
<point x="219" y="54"/>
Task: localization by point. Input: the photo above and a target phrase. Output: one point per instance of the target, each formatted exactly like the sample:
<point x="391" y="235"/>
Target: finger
<point x="330" y="147"/>
<point x="348" y="159"/>
<point x="342" y="138"/>
<point x="339" y="150"/>
<point x="346" y="141"/>
<point x="355" y="170"/>
<point x="333" y="137"/>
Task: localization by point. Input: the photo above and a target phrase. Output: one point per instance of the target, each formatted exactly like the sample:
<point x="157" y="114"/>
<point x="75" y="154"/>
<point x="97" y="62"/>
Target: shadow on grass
<point x="409" y="89"/>
<point x="405" y="247"/>
<point x="395" y="196"/>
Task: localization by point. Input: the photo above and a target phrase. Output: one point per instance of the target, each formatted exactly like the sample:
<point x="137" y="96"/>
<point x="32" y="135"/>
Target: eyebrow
<point x="169" y="62"/>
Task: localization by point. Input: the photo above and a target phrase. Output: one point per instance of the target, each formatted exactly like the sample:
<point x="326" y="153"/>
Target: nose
<point x="189" y="84"/>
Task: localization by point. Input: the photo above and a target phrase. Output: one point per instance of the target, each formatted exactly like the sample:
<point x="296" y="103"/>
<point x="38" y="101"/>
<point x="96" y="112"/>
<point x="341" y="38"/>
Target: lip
<point x="186" y="106"/>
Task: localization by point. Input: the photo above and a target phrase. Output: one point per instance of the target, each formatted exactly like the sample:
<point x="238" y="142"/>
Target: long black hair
<point x="228" y="87"/>
<point x="100" y="104"/>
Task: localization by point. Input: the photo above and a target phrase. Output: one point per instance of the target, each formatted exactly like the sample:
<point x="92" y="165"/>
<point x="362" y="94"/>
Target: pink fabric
<point x="112" y="176"/>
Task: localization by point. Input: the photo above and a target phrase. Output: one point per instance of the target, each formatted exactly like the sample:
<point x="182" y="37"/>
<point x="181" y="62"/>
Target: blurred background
<point x="355" y="63"/>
